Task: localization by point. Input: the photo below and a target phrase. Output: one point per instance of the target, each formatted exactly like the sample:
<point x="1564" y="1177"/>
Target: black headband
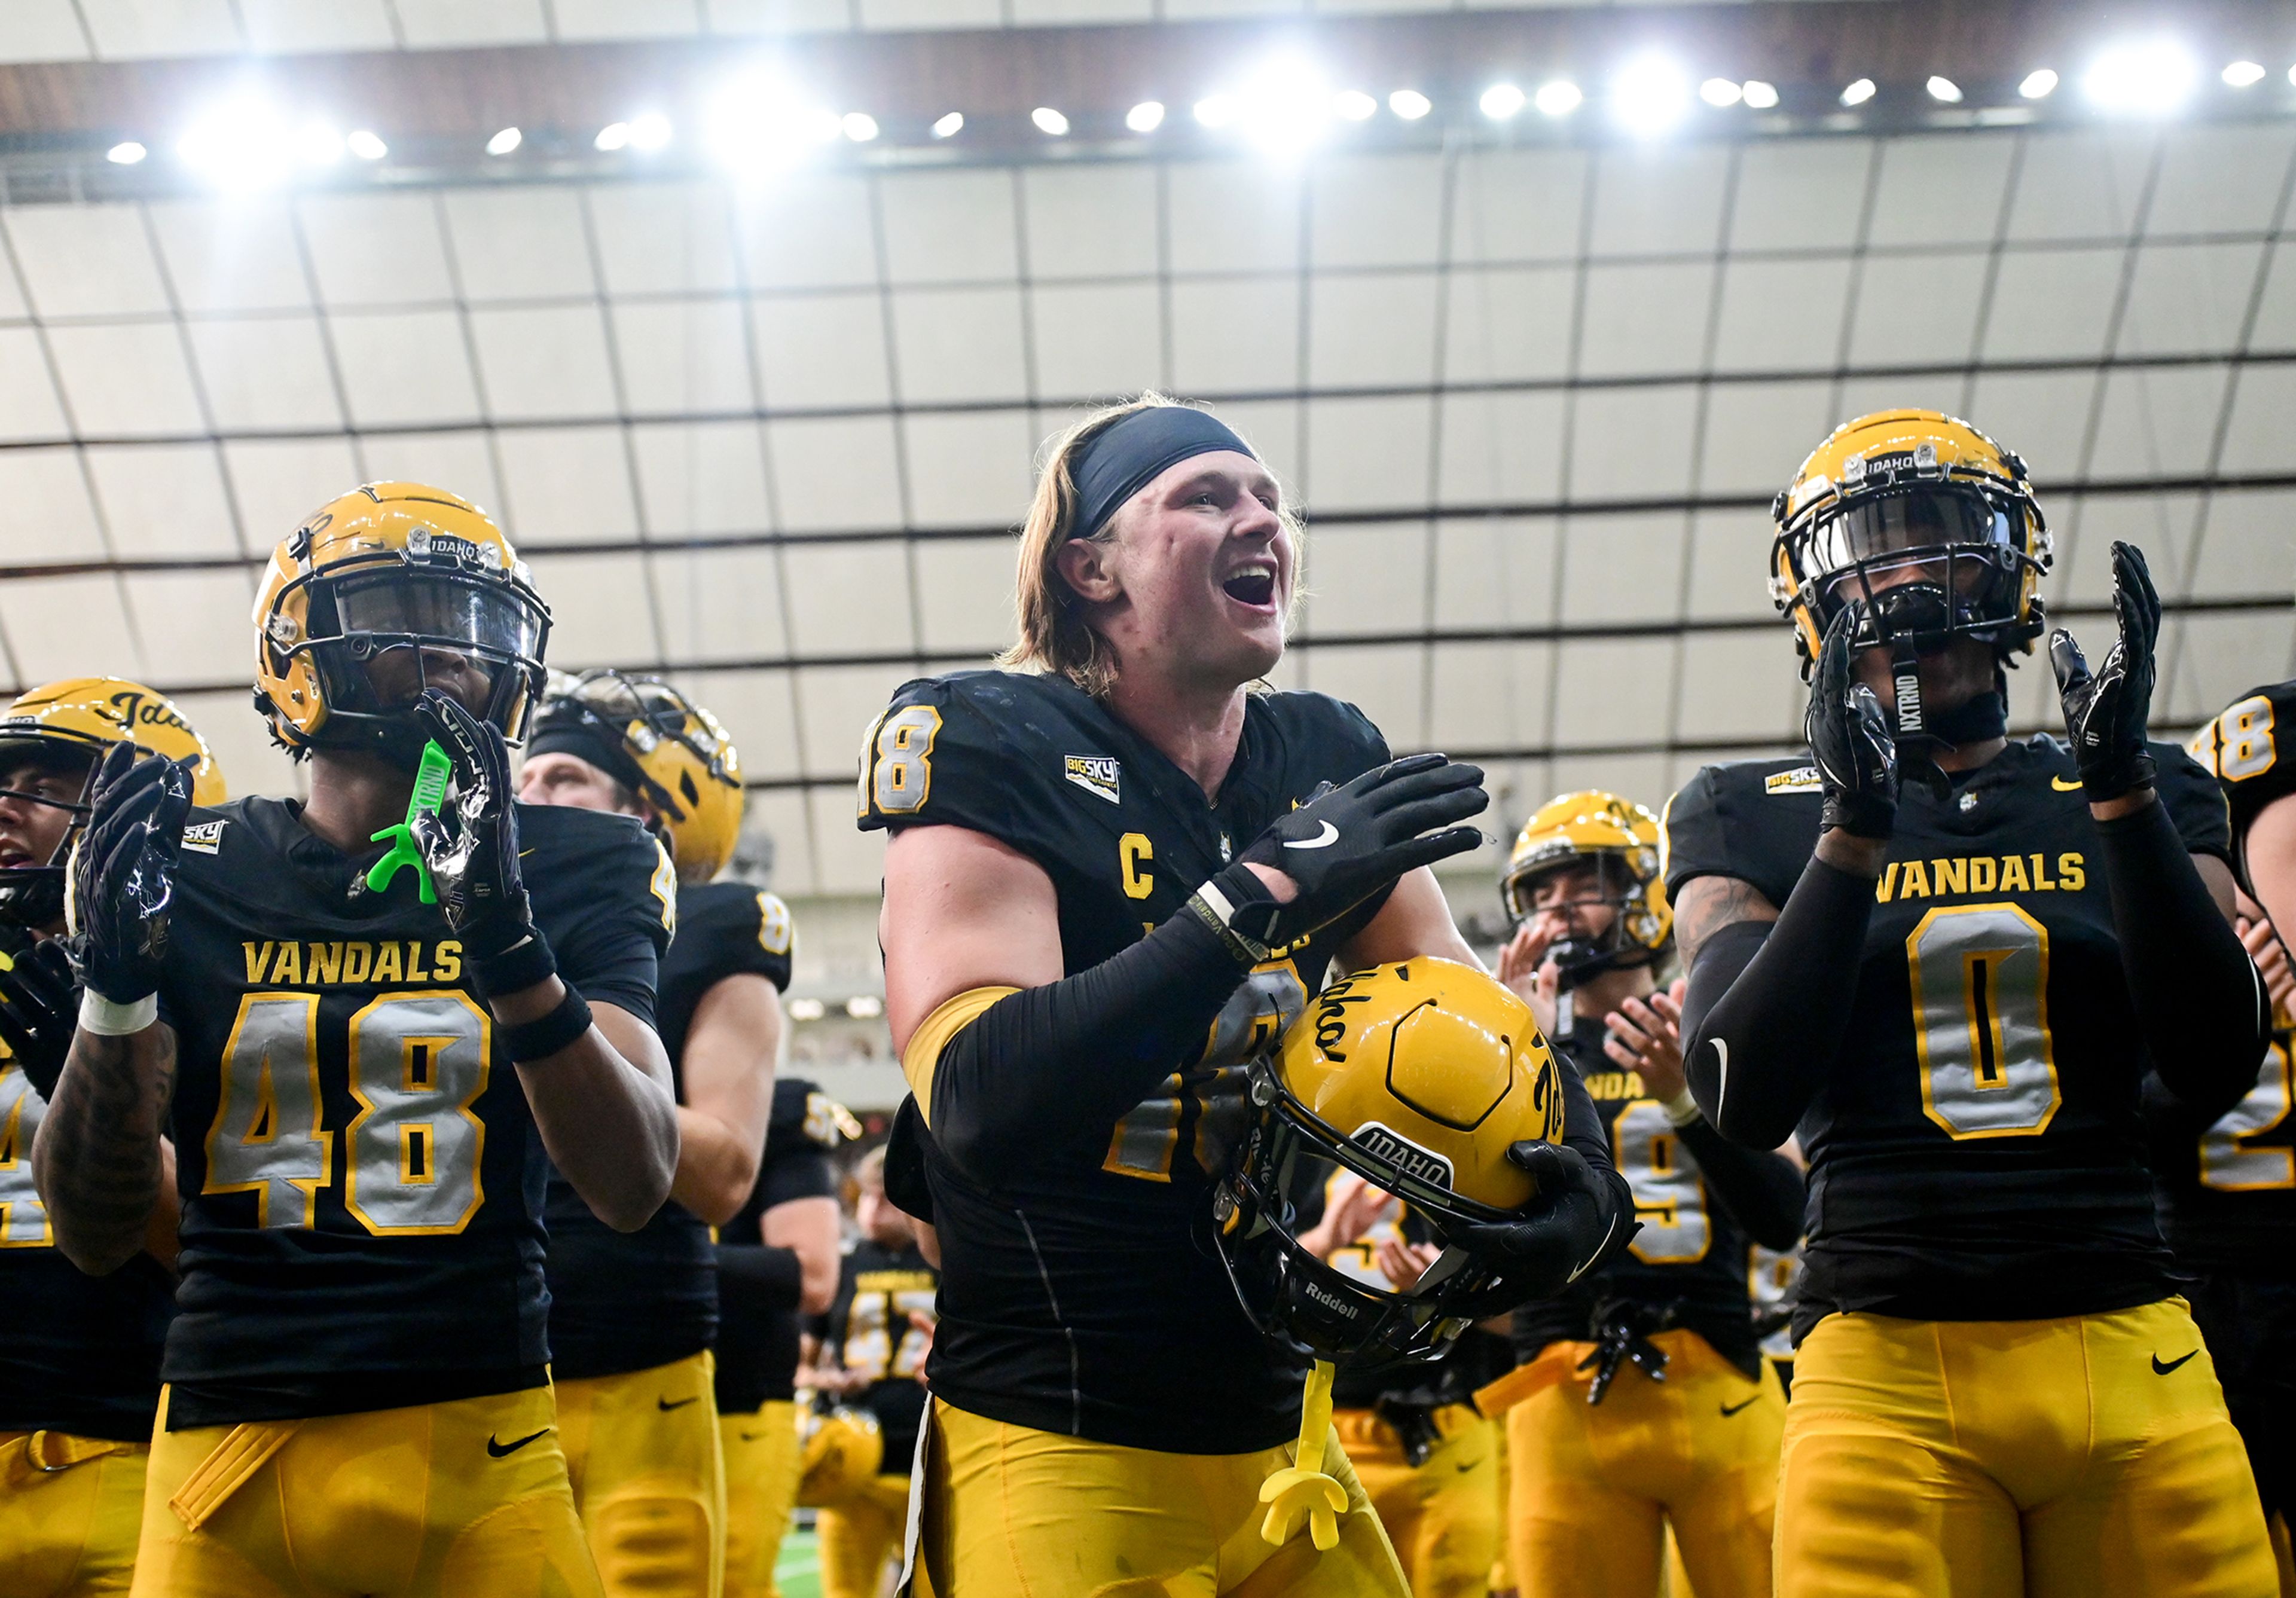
<point x="586" y="739"/>
<point x="1126" y="456"/>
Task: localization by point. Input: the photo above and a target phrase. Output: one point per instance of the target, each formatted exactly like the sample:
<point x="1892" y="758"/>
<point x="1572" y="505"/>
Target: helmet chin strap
<point x="1915" y="740"/>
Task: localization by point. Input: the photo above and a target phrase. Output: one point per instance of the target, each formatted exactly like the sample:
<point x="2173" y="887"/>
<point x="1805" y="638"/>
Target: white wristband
<point x="1681" y="1109"/>
<point x="105" y="1018"/>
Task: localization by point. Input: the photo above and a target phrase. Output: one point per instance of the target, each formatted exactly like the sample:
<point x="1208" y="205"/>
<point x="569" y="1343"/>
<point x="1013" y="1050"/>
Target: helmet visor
<point x="1893" y="529"/>
<point x="485" y="618"/>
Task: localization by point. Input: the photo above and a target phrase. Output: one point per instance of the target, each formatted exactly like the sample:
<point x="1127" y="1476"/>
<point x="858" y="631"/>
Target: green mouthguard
<point x="429" y="792"/>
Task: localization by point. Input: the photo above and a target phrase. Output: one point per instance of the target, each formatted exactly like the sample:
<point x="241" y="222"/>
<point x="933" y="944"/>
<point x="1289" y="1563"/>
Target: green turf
<point x="797" y="1571"/>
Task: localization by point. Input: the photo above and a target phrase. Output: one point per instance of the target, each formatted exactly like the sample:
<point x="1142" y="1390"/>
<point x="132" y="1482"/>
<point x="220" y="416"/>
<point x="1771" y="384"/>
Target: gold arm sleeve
<point x="932" y="1036"/>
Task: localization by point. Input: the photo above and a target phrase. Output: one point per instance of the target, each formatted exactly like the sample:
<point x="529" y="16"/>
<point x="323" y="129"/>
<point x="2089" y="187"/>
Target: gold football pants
<point x="2084" y="1457"/>
<point x="643" y="1457"/>
<point x="69" y="1511"/>
<point x="859" y="1533"/>
<point x="761" y="1470"/>
<point x="1013" y="1513"/>
<point x="1442" y="1515"/>
<point x="1593" y="1486"/>
<point x="460" y="1500"/>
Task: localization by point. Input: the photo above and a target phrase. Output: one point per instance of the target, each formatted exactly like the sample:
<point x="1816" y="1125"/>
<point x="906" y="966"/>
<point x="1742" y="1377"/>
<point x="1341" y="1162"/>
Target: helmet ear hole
<point x="686" y="786"/>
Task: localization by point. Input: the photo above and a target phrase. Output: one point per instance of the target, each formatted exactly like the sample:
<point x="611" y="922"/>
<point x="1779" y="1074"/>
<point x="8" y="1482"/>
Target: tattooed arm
<point x="98" y="1161"/>
<point x="1707" y="904"/>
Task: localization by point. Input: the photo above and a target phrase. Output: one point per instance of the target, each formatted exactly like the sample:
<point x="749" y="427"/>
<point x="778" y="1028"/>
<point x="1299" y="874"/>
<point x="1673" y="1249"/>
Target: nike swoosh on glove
<point x="2105" y="712"/>
<point x="1576" y="1223"/>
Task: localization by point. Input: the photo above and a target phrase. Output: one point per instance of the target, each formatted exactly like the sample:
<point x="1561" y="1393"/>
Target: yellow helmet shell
<point x="374" y="524"/>
<point x="88" y="715"/>
<point x="1592" y="825"/>
<point x="1433" y="1068"/>
<point x="844" y="1450"/>
<point x="687" y="768"/>
<point x="1885" y="452"/>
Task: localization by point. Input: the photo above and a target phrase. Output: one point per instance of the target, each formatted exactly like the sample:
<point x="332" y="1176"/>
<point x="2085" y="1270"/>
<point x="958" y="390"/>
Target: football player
<point x="2228" y="1191"/>
<point x="1644" y="1405"/>
<point x="872" y="1346"/>
<point x="776" y="1261"/>
<point x="354" y="1047"/>
<point x="632" y="1318"/>
<point x="1113" y="877"/>
<point x="79" y="1362"/>
<point x="1428" y="1460"/>
<point x="1946" y="957"/>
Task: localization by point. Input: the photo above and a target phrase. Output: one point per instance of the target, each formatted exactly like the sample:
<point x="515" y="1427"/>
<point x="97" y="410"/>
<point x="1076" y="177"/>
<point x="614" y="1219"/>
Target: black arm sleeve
<point x="2200" y="1003"/>
<point x="1759" y="1050"/>
<point x="1047" y="1068"/>
<point x="1763" y="1191"/>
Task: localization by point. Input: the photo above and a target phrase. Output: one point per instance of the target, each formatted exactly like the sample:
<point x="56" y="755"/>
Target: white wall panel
<point x="2081" y="184"/>
<point x="1519" y="205"/>
<point x="51" y="515"/>
<point x="266" y="373"/>
<point x="2053" y="304"/>
<point x="2157" y="423"/>
<point x="1232" y="216"/>
<point x="1368" y="453"/>
<point x="2189" y="298"/>
<point x="280" y="26"/>
<point x="519" y="242"/>
<point x="1941" y="189"/>
<point x="1659" y="200"/>
<point x="1369" y="330"/>
<point x="443" y="24"/>
<point x="1501" y="448"/>
<point x="164" y="499"/>
<point x="1495" y="572"/>
<point x="1367" y="579"/>
<point x="809" y="232"/>
<point x="597" y="612"/>
<point x="725" y="604"/>
<point x="547" y="361"/>
<point x="1803" y="193"/>
<point x="376" y="248"/>
<point x="1641" y="320"/>
<point x="702" y="477"/>
<point x="970" y="469"/>
<point x="1780" y="316"/>
<point x="959" y="344"/>
<point x="179" y="617"/>
<point x="1504" y="323"/>
<point x="405" y="367"/>
<point x="821" y="349"/>
<point x="28" y="405"/>
<point x="1621" y="569"/>
<point x="69" y="627"/>
<point x="949" y="227"/>
<point x="964" y="595"/>
<point x="85" y="261"/>
<point x="240" y="255"/>
<point x="564" y="485"/>
<point x="1097" y="341"/>
<point x="1242" y="334"/>
<point x="1375" y="210"/>
<point x="1632" y="443"/>
<point x="41" y="31"/>
<point x="663" y="238"/>
<point x="683" y="356"/>
<point x="1091" y="221"/>
<point x="125" y="379"/>
<point x="835" y="473"/>
<point x="277" y="482"/>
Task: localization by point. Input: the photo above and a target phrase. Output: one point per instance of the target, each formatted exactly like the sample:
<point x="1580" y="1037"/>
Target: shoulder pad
<point x="1755" y="820"/>
<point x="2251" y="748"/>
<point x="580" y="863"/>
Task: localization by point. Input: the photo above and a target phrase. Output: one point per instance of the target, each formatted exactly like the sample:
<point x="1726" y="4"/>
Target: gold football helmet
<point x="1419" y="1077"/>
<point x="843" y="1451"/>
<point x="653" y="740"/>
<point x="1621" y="839"/>
<point x="376" y="591"/>
<point x="71" y="724"/>
<point x="1918" y="490"/>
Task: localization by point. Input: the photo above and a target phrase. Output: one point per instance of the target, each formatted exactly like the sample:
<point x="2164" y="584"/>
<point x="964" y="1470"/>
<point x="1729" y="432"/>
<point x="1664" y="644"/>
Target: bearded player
<point x="1946" y="958"/>
<point x="1114" y="876"/>
<point x="79" y="1362"/>
<point x="632" y="1318"/>
<point x="1640" y="1404"/>
<point x="371" y="1022"/>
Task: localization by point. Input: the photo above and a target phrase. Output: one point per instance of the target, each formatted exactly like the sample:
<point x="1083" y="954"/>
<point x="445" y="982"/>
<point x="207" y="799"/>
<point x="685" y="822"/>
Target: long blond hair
<point x="1054" y="636"/>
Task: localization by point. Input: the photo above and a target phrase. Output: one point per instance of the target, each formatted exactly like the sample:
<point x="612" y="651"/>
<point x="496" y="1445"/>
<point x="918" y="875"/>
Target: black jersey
<point x="1691" y="1253"/>
<point x="630" y="1301"/>
<point x="757" y="1346"/>
<point x="2242" y="748"/>
<point x="2227" y="1193"/>
<point x="361" y="1175"/>
<point x="871" y="1332"/>
<point x="1083" y="1295"/>
<point x="78" y="1354"/>
<point x="1975" y="1151"/>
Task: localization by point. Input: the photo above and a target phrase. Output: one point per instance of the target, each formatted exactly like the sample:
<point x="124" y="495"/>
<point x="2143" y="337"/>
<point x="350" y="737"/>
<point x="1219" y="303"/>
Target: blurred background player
<point x="1114" y="877"/>
<point x="362" y="1087"/>
<point x="632" y="1317"/>
<point x="1427" y="1458"/>
<point x="2229" y="1191"/>
<point x="872" y="1356"/>
<point x="1947" y="958"/>
<point x="80" y="1360"/>
<point x="1644" y="1405"/>
<point x="778" y="1261"/>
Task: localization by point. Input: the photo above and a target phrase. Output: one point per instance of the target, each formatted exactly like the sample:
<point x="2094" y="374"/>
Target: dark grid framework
<point x="1536" y="401"/>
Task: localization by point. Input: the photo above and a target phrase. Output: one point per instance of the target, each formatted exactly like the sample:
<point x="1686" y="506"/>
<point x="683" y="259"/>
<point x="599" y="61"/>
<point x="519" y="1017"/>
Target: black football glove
<point x="1850" y="740"/>
<point x="2105" y="713"/>
<point x="470" y="846"/>
<point x="39" y="1008"/>
<point x="122" y="872"/>
<point x="1347" y="843"/>
<point x="1574" y="1224"/>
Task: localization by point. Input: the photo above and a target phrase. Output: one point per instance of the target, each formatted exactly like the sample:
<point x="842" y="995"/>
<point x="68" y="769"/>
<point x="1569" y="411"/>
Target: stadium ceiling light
<point x="2144" y="79"/>
<point x="613" y="136"/>
<point x="1945" y="90"/>
<point x="1858" y="92"/>
<point x="505" y="141"/>
<point x="2039" y="85"/>
<point x="760" y="123"/>
<point x="807" y="1010"/>
<point x="1409" y="105"/>
<point x="367" y="144"/>
<point x="2241" y="74"/>
<point x="950" y="125"/>
<point x="1648" y="94"/>
<point x="1558" y="97"/>
<point x="1216" y="110"/>
<point x="860" y="126"/>
<point x="1146" y="117"/>
<point x="125" y="153"/>
<point x="1501" y="102"/>
<point x="864" y="1006"/>
<point x="1761" y="97"/>
<point x="650" y="131"/>
<point x="244" y="144"/>
<point x="1287" y="106"/>
<point x="1355" y="105"/>
<point x="1049" y="121"/>
<point x="1721" y="93"/>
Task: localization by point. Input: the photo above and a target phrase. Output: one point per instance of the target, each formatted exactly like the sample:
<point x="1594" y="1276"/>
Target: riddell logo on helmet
<point x="1330" y="1300"/>
<point x="1390" y="1147"/>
